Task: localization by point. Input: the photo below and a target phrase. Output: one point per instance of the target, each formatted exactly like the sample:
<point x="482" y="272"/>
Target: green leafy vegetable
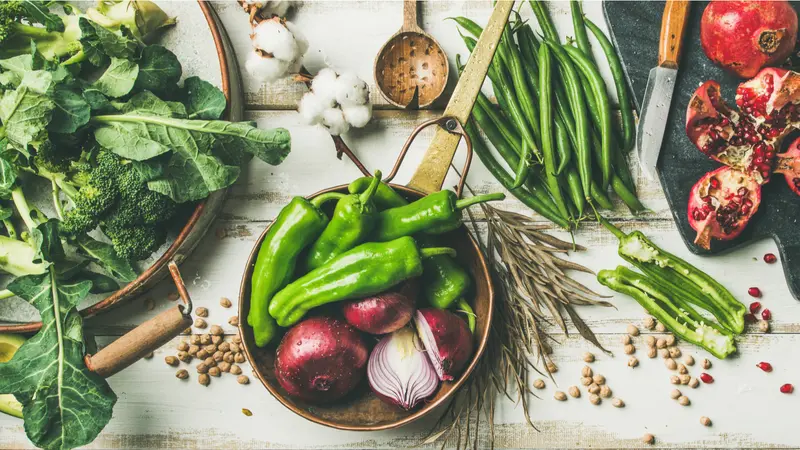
<point x="25" y="113"/>
<point x="118" y="79"/>
<point x="99" y="43"/>
<point x="71" y="111"/>
<point x="159" y="70"/>
<point x="203" y="99"/>
<point x="38" y="12"/>
<point x="104" y="255"/>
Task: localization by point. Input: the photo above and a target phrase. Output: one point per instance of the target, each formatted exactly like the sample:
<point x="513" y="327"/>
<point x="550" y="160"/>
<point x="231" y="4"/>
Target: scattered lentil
<point x="633" y="330"/>
<point x="228" y="357"/>
<point x="618" y="403"/>
<point x="203" y="379"/>
<point x="182" y="374"/>
<point x="194" y="339"/>
<point x="224" y="366"/>
<point x="574" y="392"/>
<point x="210" y="349"/>
<point x="674" y="352"/>
<point x="650" y="340"/>
<point x="674" y="379"/>
<point x="242" y="379"/>
<point x="682" y="369"/>
<point x="664" y="353"/>
<point x="538" y="383"/>
<point x="235" y="348"/>
<point x="633" y="362"/>
<point x="216" y="330"/>
<point x="193" y="350"/>
<point x="210" y="362"/>
<point x="560" y="396"/>
<point x="218" y="355"/>
<point x="594" y="399"/>
<point x="201" y="312"/>
<point x="224" y="347"/>
<point x="239" y="358"/>
<point x="685" y="378"/>
<point x="216" y="340"/>
<point x="588" y="357"/>
<point x="184" y="356"/>
<point x="684" y="400"/>
<point x="224" y="302"/>
<point x="201" y="354"/>
<point x="205" y="339"/>
<point x="236" y="340"/>
<point x="202" y="368"/>
<point x="670" y="340"/>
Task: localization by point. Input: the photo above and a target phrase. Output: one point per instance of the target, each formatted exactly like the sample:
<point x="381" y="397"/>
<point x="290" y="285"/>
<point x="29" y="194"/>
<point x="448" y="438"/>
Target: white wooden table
<point x="156" y="410"/>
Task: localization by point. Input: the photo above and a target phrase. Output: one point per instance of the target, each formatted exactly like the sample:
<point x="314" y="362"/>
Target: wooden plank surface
<point x="156" y="410"/>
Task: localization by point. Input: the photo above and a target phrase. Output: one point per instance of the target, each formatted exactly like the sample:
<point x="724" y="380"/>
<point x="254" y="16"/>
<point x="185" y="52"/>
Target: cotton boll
<point x="324" y="85"/>
<point x="333" y="118"/>
<point x="358" y="115"/>
<point x="278" y="7"/>
<point x="351" y="90"/>
<point x="271" y="36"/>
<point x="266" y="69"/>
<point x="311" y="109"/>
<point x="299" y="37"/>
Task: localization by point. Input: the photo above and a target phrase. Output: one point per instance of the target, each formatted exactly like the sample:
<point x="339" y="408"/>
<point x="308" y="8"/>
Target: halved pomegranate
<point x="789" y="165"/>
<point x="746" y="140"/>
<point x="721" y="204"/>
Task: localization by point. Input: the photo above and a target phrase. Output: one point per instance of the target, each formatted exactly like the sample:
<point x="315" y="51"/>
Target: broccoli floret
<point x="56" y="158"/>
<point x="135" y="243"/>
<point x="141" y="206"/>
<point x="10" y="13"/>
<point x="76" y="222"/>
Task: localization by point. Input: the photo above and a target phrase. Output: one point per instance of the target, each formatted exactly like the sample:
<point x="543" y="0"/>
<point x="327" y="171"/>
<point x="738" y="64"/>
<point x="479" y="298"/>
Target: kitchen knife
<point x="660" y="85"/>
<point x="429" y="177"/>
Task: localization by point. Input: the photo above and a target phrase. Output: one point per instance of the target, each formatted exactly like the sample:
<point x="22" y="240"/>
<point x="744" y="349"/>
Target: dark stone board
<point x="635" y="28"/>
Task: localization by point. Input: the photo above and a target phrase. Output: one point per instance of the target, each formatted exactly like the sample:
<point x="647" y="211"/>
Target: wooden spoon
<point x="411" y="69"/>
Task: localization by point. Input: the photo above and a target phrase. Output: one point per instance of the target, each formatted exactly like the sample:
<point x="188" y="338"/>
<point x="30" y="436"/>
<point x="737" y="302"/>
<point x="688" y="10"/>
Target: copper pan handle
<point x="145" y="338"/>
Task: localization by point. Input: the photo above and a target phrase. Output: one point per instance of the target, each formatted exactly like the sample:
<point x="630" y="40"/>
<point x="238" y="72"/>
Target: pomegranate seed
<point x="755" y="307"/>
<point x="766" y="314"/>
<point x="765" y="366"/>
<point x="706" y="378"/>
<point x="754" y="292"/>
<point x="770" y="258"/>
<point x="787" y="388"/>
<point x="714" y="183"/>
<point x="750" y="318"/>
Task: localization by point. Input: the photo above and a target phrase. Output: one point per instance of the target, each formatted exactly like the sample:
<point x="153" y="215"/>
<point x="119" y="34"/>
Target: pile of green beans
<point x="553" y="125"/>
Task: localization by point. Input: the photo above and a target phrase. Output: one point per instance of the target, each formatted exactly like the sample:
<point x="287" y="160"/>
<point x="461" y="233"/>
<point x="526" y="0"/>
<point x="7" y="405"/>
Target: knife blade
<point x="660" y="86"/>
<point x="430" y="175"/>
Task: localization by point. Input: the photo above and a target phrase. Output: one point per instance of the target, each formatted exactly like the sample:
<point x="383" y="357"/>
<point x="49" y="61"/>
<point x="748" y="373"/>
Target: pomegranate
<point x="789" y="165"/>
<point x="745" y="36"/>
<point x="320" y="360"/>
<point x="721" y="204"/>
<point x="385" y="312"/>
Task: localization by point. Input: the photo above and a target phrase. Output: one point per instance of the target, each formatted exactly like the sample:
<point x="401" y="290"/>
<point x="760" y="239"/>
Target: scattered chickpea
<point x="224" y="366"/>
<point x="218" y="356"/>
<point x="187" y="331"/>
<point x="605" y="391"/>
<point x="664" y="353"/>
<point x="694" y="382"/>
<point x="684" y="400"/>
<point x="224" y="347"/>
<point x="674" y="379"/>
<point x="214" y="371"/>
<point x="236" y="340"/>
<point x="551" y="367"/>
<point x="629" y="349"/>
<point x="633" y="362"/>
<point x="674" y="352"/>
<point x="763" y="326"/>
<point x="586" y="381"/>
<point x="688" y="360"/>
<point x="705" y="421"/>
<point x="594" y="389"/>
<point x="235" y="348"/>
<point x="594" y="399"/>
<point x="201" y="312"/>
<point x="171" y="360"/>
<point x="204" y="379"/>
<point x="649" y="323"/>
<point x="183" y="346"/>
<point x="706" y="364"/>
<point x="650" y="341"/>
<point x="538" y="383"/>
<point x="670" y="339"/>
<point x="599" y="380"/>
<point x="194" y="339"/>
<point x="210" y="362"/>
<point x="574" y="392"/>
<point x="236" y="370"/>
<point x="224" y="302"/>
<point x="560" y="396"/>
<point x="670" y="364"/>
<point x="234" y="321"/>
<point x="660" y="327"/>
<point x="626" y="340"/>
<point x="661" y="343"/>
<point x="202" y="368"/>
<point x="193" y="349"/>
<point x="201" y="354"/>
<point x="652" y="352"/>
<point x="633" y="330"/>
<point x="675" y="394"/>
<point x="185" y="357"/>
<point x="685" y="378"/>
<point x="216" y="340"/>
<point x="228" y="357"/>
<point x="216" y="330"/>
<point x="586" y="371"/>
<point x="588" y="357"/>
<point x="182" y="374"/>
<point x="682" y="369"/>
<point x="210" y="349"/>
<point x="149" y="356"/>
<point x="648" y="438"/>
<point x="239" y="358"/>
<point x="618" y="403"/>
<point x="205" y="339"/>
<point x="242" y="379"/>
<point x="200" y="323"/>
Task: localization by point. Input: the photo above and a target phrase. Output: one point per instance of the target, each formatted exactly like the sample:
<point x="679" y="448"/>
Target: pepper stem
<point x="609" y="226"/>
<point x="436" y="251"/>
<point x="474" y="200"/>
<point x="365" y="196"/>
<point x="319" y="200"/>
<point x="464" y="307"/>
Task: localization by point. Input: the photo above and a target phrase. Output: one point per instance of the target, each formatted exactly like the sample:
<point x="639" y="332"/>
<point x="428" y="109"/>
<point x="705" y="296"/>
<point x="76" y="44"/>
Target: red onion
<point x="446" y="338"/>
<point x="320" y="359"/>
<point x="384" y="312"/>
<point x="399" y="372"/>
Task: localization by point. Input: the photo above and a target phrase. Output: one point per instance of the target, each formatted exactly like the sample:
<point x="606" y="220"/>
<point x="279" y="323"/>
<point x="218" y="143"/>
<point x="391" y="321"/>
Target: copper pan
<point x="361" y="410"/>
<point x="203" y="215"/>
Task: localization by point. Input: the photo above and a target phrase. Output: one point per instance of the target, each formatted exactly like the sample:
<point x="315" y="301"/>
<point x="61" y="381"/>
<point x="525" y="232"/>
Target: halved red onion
<point x="399" y="372"/>
<point x="446" y="338"/>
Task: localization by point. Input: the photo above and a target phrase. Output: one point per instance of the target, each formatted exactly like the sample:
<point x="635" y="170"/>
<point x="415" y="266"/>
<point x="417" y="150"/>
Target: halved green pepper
<point x="665" y="306"/>
<point x="295" y="228"/>
<point x="352" y="221"/>
<point x="365" y="270"/>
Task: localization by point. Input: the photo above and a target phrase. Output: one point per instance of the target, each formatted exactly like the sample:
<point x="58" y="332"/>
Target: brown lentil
<point x="649" y="323"/>
<point x="682" y="369"/>
<point x="149" y="356"/>
<point x="194" y="339"/>
<point x="210" y="362"/>
<point x="694" y="382"/>
<point x="239" y="358"/>
<point x="216" y="340"/>
<point x="594" y="389"/>
<point x="605" y="391"/>
<point x="235" y="347"/>
<point x="670" y="339"/>
<point x="661" y="343"/>
<point x="234" y="321"/>
<point x="674" y="352"/>
<point x="587" y="371"/>
<point x="652" y="352"/>
<point x="183" y="346"/>
<point x="205" y="339"/>
<point x="763" y="326"/>
<point x="171" y="360"/>
<point x="201" y="354"/>
<point x="551" y="367"/>
<point x="216" y="330"/>
<point x="218" y="355"/>
<point x="648" y="438"/>
<point x="674" y="379"/>
<point x="228" y="357"/>
<point x="664" y="353"/>
<point x="626" y="339"/>
<point x="685" y="378"/>
<point x="202" y="368"/>
<point x="184" y="356"/>
<point x="193" y="350"/>
<point x="599" y="380"/>
<point x="660" y="327"/>
<point x="650" y="340"/>
<point x="236" y="340"/>
<point x="224" y="366"/>
<point x="210" y="349"/>
<point x="247" y="412"/>
<point x="224" y="347"/>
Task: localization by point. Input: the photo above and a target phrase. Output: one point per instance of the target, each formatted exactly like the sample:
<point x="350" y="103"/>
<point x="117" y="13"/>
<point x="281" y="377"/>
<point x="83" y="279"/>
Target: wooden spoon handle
<point x="673" y="24"/>
<point x="410" y="16"/>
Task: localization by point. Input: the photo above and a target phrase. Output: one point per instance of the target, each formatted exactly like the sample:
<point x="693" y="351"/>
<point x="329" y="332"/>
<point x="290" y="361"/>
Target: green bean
<point x="576" y="100"/>
<point x="581" y="38"/>
<point x="598" y="88"/>
<point x="622" y="169"/>
<point x="627" y="196"/>
<point x="547" y="128"/>
<point x="509" y="133"/>
<point x="500" y="174"/>
<point x="523" y="167"/>
<point x="575" y="190"/>
<point x="545" y="23"/>
<point x="600" y="197"/>
<point x="628" y="122"/>
<point x="563" y="147"/>
<point x="509" y="54"/>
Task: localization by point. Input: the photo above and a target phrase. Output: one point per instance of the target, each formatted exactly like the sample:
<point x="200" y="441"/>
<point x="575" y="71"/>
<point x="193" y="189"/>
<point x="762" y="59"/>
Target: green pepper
<point x="365" y="270"/>
<point x="353" y="219"/>
<point x="385" y="197"/>
<point x="682" y="320"/>
<point x="295" y="228"/>
<point x="465" y="309"/>
<point x="435" y="213"/>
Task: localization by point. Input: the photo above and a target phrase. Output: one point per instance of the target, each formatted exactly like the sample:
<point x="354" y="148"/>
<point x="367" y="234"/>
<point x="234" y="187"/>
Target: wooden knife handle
<point x="673" y="24"/>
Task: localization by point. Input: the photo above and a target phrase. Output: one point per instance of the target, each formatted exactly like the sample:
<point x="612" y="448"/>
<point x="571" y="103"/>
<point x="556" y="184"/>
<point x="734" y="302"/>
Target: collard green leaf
<point x="101" y="284"/>
<point x="148" y="103"/>
<point x="159" y="70"/>
<point x="97" y="101"/>
<point x="5" y="212"/>
<point x="38" y="12"/>
<point x="203" y="99"/>
<point x="14" y="69"/>
<point x="118" y="79"/>
<point x="25" y="113"/>
<point x="192" y="175"/>
<point x="8" y="175"/>
<point x="125" y="140"/>
<point x="99" y="43"/>
<point x="104" y="255"/>
<point x="71" y="111"/>
<point x="64" y="404"/>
